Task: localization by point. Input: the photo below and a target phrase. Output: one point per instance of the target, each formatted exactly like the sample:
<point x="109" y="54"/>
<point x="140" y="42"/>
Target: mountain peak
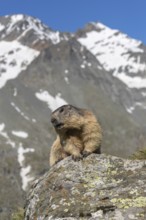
<point x="16" y="17"/>
<point x="115" y="51"/>
<point x="20" y="27"/>
<point x="98" y="25"/>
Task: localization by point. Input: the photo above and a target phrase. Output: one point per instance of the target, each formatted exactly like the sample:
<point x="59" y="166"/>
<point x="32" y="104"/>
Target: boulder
<point x="97" y="187"/>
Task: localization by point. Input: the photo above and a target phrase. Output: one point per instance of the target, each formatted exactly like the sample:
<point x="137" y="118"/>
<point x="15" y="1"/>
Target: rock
<point x="97" y="187"/>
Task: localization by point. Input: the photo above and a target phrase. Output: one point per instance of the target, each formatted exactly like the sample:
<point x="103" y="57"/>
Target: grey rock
<point x="97" y="187"/>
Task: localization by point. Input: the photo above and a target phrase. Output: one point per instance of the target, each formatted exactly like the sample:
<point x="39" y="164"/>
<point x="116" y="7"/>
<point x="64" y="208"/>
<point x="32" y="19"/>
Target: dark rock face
<point x="98" y="187"/>
<point x="10" y="182"/>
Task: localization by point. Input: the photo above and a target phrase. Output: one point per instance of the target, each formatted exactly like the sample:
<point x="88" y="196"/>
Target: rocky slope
<point x="40" y="69"/>
<point x="99" y="187"/>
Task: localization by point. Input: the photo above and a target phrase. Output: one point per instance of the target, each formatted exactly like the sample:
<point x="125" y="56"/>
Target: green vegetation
<point x="18" y="215"/>
<point x="139" y="155"/>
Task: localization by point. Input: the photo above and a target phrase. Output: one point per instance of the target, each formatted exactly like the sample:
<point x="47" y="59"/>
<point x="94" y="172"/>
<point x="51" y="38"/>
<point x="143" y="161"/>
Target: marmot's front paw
<point x="86" y="153"/>
<point x="77" y="157"/>
<point x="57" y="161"/>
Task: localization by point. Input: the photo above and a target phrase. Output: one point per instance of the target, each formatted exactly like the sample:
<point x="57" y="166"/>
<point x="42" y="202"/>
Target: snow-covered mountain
<point x="40" y="69"/>
<point x="27" y="29"/>
<point x="121" y="55"/>
<point x="115" y="50"/>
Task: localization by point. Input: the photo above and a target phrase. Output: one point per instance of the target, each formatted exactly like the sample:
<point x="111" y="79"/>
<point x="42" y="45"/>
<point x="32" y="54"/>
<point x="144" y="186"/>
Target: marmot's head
<point x="67" y="117"/>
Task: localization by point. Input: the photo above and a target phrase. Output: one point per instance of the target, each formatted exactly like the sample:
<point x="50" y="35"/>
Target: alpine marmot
<point x="78" y="133"/>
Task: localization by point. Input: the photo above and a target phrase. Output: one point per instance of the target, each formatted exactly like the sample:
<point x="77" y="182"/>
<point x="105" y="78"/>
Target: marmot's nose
<point x="54" y="121"/>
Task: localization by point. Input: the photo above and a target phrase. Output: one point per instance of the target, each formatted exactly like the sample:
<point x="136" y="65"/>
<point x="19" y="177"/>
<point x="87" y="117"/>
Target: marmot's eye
<point x="61" y="110"/>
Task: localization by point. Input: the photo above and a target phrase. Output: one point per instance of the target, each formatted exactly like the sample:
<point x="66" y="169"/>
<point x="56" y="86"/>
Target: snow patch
<point x="2" y="27"/>
<point x="89" y="64"/>
<point x="82" y="66"/>
<point x="15" y="92"/>
<point x="99" y="67"/>
<point x="66" y="71"/>
<point x="143" y="93"/>
<point x="53" y="102"/>
<point x="14" y="58"/>
<point x="2" y="126"/>
<point x="5" y="135"/>
<point x="34" y="120"/>
<point x="132" y="82"/>
<point x="85" y="63"/>
<point x="22" y="113"/>
<point x="16" y="18"/>
<point x="66" y="79"/>
<point x="132" y="108"/>
<point x="20" y="134"/>
<point x="24" y="173"/>
<point x="19" y="111"/>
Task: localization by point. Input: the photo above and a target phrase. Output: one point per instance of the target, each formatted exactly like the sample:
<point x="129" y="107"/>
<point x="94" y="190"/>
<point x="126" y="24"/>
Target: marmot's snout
<point x="54" y="120"/>
<point x="56" y="123"/>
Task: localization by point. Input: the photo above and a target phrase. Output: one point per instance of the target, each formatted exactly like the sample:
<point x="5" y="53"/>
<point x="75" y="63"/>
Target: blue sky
<point x="129" y="16"/>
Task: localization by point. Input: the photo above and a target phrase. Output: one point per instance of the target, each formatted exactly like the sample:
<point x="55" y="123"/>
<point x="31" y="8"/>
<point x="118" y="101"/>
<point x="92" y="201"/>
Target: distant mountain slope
<point x="124" y="57"/>
<point x="41" y="69"/>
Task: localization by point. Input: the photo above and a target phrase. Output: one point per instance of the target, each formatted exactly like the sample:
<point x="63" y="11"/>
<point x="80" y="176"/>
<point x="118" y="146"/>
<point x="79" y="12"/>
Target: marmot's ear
<point x="61" y="109"/>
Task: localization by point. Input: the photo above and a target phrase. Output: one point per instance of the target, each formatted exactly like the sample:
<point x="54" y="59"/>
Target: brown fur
<point x="78" y="133"/>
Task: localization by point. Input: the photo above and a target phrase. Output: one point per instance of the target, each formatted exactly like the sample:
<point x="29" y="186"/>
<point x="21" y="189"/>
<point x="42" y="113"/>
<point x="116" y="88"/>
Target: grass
<point x="139" y="155"/>
<point x="18" y="215"/>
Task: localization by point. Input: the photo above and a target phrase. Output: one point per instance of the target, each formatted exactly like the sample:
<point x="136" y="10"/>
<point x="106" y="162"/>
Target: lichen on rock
<point x="97" y="187"/>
